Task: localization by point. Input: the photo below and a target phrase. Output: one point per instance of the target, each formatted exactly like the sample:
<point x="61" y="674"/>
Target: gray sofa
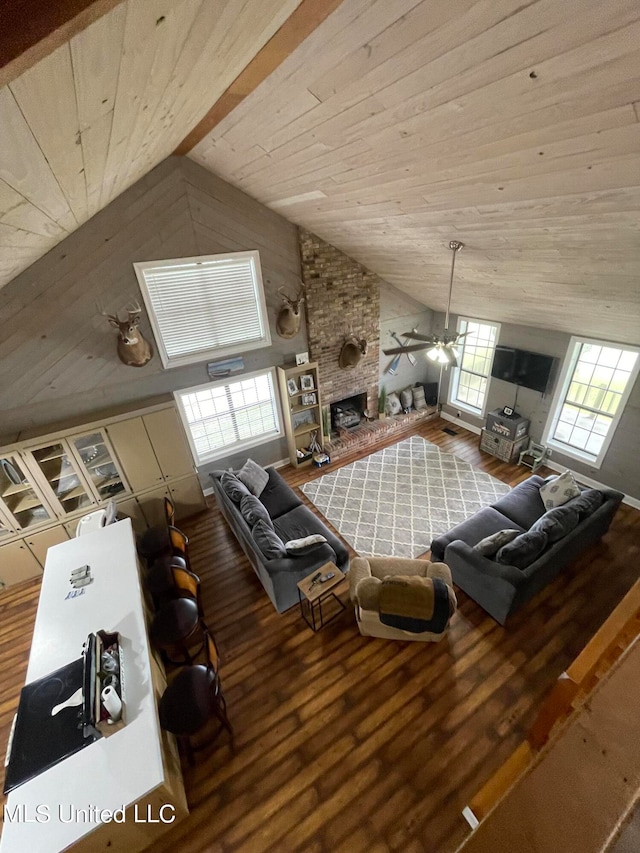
<point x="502" y="589"/>
<point x="291" y="519"/>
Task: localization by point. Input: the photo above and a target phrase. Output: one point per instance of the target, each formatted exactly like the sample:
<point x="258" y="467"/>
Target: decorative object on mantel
<point x="382" y="402"/>
<point x="288" y="319"/>
<point x="302" y="358"/>
<point x="220" y="369"/>
<point x="352" y="351"/>
<point x="133" y="349"/>
<point x="442" y="350"/>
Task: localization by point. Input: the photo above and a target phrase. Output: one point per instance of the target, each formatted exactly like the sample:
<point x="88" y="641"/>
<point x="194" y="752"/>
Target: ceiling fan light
<point x="434" y="353"/>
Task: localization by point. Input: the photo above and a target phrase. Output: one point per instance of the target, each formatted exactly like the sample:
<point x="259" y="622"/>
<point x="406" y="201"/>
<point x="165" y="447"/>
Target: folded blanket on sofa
<point x="414" y="604"/>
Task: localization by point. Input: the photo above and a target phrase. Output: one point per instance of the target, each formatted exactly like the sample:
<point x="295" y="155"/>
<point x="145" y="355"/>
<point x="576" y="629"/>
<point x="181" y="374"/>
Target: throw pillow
<point x="406" y="398"/>
<point x="557" y="522"/>
<point x="419" y="400"/>
<point x="253" y="476"/>
<point x="297" y="544"/>
<point x="253" y="511"/>
<point x="268" y="541"/>
<point x="559" y="491"/>
<point x="490" y="545"/>
<point x="587" y="503"/>
<point x="394" y="406"/>
<point x="523" y="550"/>
<point x="233" y="487"/>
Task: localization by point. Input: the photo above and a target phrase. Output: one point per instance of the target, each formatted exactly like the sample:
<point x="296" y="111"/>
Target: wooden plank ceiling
<point x="394" y="127"/>
<point x="512" y="126"/>
<point x="95" y="115"/>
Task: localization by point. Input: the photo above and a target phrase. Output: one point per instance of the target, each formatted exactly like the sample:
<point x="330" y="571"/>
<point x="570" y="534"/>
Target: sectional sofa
<point x="500" y="588"/>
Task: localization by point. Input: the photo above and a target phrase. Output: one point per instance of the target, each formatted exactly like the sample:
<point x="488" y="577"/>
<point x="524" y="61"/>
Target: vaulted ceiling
<point x="392" y="128"/>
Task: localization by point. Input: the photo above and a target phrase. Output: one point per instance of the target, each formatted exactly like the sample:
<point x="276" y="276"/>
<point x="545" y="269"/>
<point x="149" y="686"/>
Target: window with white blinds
<point x="223" y="417"/>
<point x="205" y="307"/>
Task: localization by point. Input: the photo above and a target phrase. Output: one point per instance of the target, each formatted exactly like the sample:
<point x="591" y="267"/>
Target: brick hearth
<point x="369" y="433"/>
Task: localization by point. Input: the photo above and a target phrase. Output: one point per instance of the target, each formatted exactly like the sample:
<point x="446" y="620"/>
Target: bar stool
<point x="177" y="625"/>
<point x="169" y="511"/>
<point x="159" y="579"/>
<point x="186" y="583"/>
<point x="194" y="698"/>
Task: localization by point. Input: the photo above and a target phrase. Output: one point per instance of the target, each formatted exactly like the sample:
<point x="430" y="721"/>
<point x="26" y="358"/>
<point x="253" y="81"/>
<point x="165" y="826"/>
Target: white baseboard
<point x="447" y="417"/>
<point x="589" y="481"/>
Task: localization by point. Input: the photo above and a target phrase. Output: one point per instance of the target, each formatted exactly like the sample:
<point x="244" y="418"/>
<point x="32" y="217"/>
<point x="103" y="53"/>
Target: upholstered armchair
<point x="401" y="599"/>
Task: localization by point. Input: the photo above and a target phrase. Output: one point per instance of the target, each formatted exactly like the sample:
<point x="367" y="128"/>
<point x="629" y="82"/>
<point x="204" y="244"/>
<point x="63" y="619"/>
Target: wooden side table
<point x="313" y="594"/>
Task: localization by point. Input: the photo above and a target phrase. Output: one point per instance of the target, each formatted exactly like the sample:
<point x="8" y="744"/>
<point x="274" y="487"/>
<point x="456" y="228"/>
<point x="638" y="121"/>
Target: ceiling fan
<point x="441" y="349"/>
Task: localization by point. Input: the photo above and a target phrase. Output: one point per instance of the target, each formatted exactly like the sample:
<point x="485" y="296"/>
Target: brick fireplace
<point x="342" y="299"/>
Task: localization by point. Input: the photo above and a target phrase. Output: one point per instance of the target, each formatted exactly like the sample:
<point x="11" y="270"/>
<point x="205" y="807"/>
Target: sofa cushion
<point x="523" y="503"/>
<point x="490" y="545"/>
<point x="557" y="522"/>
<point x="268" y="541"/>
<point x="253" y="476"/>
<point x="523" y="550"/>
<point x="300" y="522"/>
<point x="233" y="487"/>
<point x="277" y="496"/>
<point x="587" y="503"/>
<point x="253" y="510"/>
<point x="485" y="522"/>
<point x="559" y="491"/>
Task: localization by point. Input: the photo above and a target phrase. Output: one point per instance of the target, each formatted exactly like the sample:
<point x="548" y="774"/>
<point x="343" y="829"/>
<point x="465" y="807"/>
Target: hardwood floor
<point x="345" y="743"/>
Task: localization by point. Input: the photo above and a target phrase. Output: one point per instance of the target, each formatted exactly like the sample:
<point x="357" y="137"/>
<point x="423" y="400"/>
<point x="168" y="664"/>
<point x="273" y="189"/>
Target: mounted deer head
<point x="352" y="351"/>
<point x="133" y="349"/>
<point x="288" y="319"/>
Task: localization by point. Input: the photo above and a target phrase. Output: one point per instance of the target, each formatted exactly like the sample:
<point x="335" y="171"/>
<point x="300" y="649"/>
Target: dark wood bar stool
<point x="170" y="511"/>
<point x="176" y="626"/>
<point x="159" y="578"/>
<point x="193" y="699"/>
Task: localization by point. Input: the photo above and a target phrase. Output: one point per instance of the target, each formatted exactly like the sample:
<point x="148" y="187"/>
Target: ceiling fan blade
<point x="414" y="336"/>
<point x="411" y="358"/>
<point x="412" y="348"/>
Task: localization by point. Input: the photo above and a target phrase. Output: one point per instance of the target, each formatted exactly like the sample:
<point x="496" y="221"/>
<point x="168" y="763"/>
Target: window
<point x="205" y="307"/>
<point x="223" y="417"/>
<point x="468" y="387"/>
<point x="596" y="382"/>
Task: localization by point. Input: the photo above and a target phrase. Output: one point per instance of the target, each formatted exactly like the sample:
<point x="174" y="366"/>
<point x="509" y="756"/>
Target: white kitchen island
<point x="136" y="768"/>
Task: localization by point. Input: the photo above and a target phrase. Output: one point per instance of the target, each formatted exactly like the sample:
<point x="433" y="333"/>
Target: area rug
<point x="393" y="502"/>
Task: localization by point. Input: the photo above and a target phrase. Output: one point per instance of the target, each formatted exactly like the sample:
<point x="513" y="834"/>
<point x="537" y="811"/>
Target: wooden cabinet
<point x="169" y="443"/>
<point x="502" y="448"/>
<point x="301" y="410"/>
<point x="47" y="484"/>
<point x="135" y="451"/>
<point x="39" y="543"/>
<point x="17" y="563"/>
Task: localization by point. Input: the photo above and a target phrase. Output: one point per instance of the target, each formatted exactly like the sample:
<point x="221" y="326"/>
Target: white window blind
<point x="205" y="307"/>
<point x="596" y="385"/>
<point x="223" y="417"/>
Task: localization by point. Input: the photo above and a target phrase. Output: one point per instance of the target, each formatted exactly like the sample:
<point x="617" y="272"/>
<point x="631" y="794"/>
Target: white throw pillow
<point x="558" y="491"/>
<point x="297" y="544"/>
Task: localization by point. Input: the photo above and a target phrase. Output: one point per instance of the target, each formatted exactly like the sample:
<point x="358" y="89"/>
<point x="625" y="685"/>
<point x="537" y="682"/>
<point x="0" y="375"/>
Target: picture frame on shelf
<point x="302" y="358"/>
<point x="292" y="387"/>
<point x="309" y="399"/>
<point x="306" y="382"/>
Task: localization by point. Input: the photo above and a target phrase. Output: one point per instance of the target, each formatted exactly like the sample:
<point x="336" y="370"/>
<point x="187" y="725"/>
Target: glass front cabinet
<point x="22" y="503"/>
<point x="62" y="478"/>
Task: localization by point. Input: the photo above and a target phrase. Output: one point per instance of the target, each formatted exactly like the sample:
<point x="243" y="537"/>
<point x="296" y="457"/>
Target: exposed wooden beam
<point x="306" y="18"/>
<point x="32" y="29"/>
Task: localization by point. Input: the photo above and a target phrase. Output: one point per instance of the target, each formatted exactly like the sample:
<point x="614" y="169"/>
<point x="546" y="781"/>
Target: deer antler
<point x="113" y="317"/>
<point x="134" y="309"/>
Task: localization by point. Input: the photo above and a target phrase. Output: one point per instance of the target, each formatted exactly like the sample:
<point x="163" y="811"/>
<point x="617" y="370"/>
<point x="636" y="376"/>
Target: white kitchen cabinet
<point x="39" y="543"/>
<point x="22" y="501"/>
<point x="187" y="496"/>
<point x="133" y="447"/>
<point x="169" y="443"/>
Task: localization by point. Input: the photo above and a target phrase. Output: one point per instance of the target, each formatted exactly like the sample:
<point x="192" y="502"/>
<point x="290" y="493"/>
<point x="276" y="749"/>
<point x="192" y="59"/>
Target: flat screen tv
<point x="529" y="369"/>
